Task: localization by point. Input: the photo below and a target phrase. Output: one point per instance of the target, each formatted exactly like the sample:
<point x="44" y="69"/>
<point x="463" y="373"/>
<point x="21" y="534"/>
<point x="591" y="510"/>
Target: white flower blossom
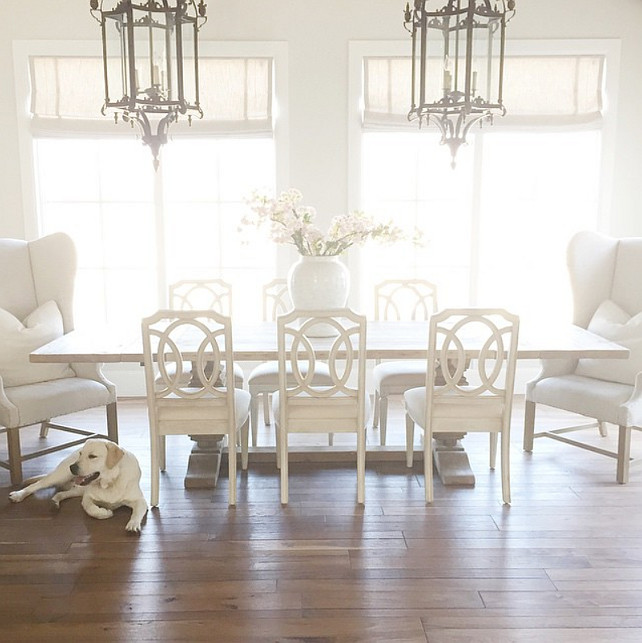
<point x="289" y="222"/>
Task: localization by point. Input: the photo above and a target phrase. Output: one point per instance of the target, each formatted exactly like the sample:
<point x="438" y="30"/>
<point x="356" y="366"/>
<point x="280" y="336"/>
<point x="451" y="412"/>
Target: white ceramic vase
<point x="319" y="283"/>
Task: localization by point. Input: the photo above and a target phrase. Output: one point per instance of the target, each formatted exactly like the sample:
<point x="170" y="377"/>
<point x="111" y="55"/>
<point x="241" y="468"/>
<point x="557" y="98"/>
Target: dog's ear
<point x="114" y="455"/>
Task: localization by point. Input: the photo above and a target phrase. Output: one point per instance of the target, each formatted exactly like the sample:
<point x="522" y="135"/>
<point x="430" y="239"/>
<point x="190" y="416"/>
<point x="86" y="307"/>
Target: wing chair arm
<point x="554" y="367"/>
<point x="92" y="372"/>
<point x="8" y="412"/>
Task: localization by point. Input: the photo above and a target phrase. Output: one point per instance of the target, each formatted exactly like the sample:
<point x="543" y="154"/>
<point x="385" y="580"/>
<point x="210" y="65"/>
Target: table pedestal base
<point x="451" y="462"/>
<point x="449" y="457"/>
<point x="204" y="462"/>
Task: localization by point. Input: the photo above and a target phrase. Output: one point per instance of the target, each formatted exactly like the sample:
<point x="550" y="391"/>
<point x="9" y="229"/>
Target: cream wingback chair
<point x="607" y="299"/>
<point x="36" y="306"/>
<point x="399" y="300"/>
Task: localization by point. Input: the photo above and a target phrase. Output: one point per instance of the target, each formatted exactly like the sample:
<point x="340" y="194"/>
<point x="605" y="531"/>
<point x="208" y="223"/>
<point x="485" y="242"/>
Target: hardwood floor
<point x="563" y="563"/>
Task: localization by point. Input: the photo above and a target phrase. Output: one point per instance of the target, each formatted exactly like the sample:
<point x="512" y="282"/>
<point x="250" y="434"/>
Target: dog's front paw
<point x="133" y="525"/>
<point x="17" y="496"/>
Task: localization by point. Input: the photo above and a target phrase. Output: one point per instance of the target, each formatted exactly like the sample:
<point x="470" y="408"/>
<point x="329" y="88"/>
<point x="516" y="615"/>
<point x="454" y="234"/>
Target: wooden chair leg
<point x="375" y="413"/>
<point x="623" y="454"/>
<point x="283" y="450"/>
<point x="162" y="452"/>
<point x="505" y="456"/>
<point x="254" y="417"/>
<point x="112" y="422"/>
<point x="361" y="467"/>
<point x="428" y="479"/>
<point x="245" y="429"/>
<point x="266" y="409"/>
<point x="155" y="471"/>
<point x="44" y="429"/>
<point x="410" y="440"/>
<point x="529" y="425"/>
<point x="602" y="428"/>
<point x="383" y="419"/>
<point x="231" y="465"/>
<point x="15" y="456"/>
<point x="493" y="450"/>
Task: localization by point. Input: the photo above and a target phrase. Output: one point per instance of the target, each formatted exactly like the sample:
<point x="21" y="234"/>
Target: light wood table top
<point x="385" y="340"/>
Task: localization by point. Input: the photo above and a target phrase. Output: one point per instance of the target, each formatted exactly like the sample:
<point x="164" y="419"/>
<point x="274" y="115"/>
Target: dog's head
<point x="97" y="460"/>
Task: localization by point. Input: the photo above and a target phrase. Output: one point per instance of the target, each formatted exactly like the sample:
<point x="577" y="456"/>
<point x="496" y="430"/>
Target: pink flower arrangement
<point x="291" y="222"/>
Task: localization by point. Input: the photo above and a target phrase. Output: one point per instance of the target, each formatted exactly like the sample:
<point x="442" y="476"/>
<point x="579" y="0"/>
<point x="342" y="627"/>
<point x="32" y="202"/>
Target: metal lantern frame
<point x="456" y="30"/>
<point x="144" y="66"/>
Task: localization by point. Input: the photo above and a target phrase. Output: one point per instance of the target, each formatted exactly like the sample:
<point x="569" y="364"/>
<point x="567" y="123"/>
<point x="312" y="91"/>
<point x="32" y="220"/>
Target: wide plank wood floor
<point x="563" y="563"/>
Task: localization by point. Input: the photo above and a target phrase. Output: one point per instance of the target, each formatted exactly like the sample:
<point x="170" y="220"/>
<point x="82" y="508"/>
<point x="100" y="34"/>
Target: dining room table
<point x="385" y="340"/>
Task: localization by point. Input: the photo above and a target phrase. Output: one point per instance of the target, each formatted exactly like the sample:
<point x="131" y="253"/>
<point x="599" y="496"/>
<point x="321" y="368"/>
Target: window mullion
<point x="161" y="238"/>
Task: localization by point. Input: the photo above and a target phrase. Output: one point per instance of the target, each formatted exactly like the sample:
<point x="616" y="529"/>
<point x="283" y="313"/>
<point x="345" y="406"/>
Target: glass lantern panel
<point x="486" y="60"/>
<point x="150" y="35"/>
<point x="117" y="82"/>
<point x="189" y="42"/>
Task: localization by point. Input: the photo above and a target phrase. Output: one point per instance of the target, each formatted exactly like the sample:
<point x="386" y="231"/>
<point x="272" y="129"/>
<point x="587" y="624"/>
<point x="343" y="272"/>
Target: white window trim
<point x="23" y="49"/>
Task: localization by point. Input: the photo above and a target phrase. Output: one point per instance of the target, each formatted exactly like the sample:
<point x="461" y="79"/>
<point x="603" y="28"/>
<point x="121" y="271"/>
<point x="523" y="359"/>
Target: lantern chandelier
<point x="457" y="64"/>
<point x="150" y="63"/>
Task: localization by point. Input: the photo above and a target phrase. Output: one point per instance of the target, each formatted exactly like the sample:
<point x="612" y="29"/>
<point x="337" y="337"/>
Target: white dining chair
<point x="204" y="294"/>
<point x="300" y="406"/>
<point x="201" y="406"/>
<point x="607" y="300"/>
<point x="399" y="300"/>
<point x="263" y="380"/>
<point x="469" y="382"/>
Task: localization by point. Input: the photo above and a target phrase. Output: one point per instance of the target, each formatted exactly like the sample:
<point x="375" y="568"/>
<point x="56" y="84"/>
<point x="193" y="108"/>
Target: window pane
<point x="407" y="177"/>
<point x="127" y="221"/>
<point x="496" y="227"/>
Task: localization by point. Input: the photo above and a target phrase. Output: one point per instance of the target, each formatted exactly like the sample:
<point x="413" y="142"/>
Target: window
<point x="497" y="226"/>
<point x="136" y="230"/>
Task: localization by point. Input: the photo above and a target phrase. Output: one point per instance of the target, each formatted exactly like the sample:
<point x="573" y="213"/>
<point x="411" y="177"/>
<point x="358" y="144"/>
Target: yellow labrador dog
<point x="104" y="474"/>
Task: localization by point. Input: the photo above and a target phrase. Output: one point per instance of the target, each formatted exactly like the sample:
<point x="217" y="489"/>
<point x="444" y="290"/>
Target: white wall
<point x="317" y="34"/>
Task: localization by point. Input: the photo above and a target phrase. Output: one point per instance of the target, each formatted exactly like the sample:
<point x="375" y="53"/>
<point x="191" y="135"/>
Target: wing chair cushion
<point x="21" y="338"/>
<point x="33" y="402"/>
<point x="615" y="324"/>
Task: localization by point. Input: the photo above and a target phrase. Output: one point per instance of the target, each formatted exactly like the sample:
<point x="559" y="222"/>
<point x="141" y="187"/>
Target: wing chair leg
<point x="15" y="457"/>
<point x="623" y="454"/>
<point x="44" y="428"/>
<point x="529" y="425"/>
<point x="112" y="422"/>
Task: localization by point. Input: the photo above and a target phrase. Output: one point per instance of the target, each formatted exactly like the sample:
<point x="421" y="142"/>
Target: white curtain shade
<point x="67" y="94"/>
<point x="538" y="91"/>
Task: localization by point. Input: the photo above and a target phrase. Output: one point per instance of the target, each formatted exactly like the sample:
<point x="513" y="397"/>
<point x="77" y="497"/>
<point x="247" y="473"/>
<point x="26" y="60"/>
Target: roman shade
<point x="538" y="91"/>
<point x="67" y="94"/>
